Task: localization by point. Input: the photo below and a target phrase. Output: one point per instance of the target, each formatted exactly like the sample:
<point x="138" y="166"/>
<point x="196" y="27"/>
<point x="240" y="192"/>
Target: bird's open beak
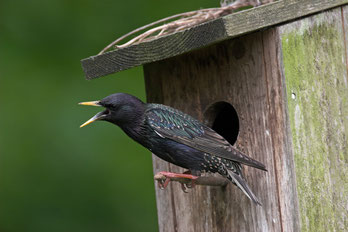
<point x="96" y="117"/>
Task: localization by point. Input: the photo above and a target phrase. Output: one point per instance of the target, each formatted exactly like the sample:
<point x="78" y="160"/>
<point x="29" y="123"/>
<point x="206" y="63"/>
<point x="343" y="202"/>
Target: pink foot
<point x="164" y="178"/>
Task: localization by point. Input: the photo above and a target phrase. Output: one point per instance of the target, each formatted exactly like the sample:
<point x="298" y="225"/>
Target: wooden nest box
<point x="273" y="81"/>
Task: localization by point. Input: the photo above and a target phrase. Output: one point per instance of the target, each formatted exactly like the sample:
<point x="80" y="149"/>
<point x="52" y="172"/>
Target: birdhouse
<point x="273" y="81"/>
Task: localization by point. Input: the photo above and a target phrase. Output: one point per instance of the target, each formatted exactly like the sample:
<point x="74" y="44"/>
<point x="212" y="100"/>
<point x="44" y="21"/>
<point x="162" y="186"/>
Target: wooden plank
<point x="233" y="71"/>
<point x="280" y="131"/>
<point x="203" y="35"/>
<point x="165" y="199"/>
<point x="344" y="12"/>
<point x="317" y="93"/>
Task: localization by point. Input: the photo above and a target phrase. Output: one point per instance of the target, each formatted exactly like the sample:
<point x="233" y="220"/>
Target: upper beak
<point x="96" y="117"/>
<point x="91" y="103"/>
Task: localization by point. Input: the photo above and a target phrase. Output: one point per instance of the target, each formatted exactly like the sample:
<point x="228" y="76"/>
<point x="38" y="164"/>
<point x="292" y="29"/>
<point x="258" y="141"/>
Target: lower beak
<point x="96" y="117"/>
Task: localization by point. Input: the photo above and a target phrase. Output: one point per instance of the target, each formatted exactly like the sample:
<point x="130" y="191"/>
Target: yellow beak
<point x="95" y="117"/>
<point x="90" y="103"/>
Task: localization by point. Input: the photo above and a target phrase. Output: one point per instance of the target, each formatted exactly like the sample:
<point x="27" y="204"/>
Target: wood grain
<point x="280" y="131"/>
<point x="314" y="56"/>
<point x="344" y="12"/>
<point x="244" y="72"/>
<point x="203" y="35"/>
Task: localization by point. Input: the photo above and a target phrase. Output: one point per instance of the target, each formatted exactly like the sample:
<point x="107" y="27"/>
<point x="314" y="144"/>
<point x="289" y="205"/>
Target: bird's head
<point x="120" y="109"/>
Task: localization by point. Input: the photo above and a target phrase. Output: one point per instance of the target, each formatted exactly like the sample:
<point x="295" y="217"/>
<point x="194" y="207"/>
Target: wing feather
<point x="182" y="128"/>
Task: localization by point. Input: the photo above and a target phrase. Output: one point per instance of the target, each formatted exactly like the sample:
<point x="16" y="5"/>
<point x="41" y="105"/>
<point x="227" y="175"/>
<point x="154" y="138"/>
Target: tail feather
<point x="241" y="183"/>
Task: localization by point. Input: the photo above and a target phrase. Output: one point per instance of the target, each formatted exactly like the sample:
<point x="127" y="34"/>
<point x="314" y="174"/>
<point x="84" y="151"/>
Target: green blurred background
<point x="55" y="176"/>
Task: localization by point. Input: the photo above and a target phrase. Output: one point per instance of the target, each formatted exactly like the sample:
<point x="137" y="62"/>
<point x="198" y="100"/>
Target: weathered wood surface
<point x="246" y="73"/>
<point x="279" y="131"/>
<point x="315" y="64"/>
<point x="203" y="35"/>
<point x="344" y="12"/>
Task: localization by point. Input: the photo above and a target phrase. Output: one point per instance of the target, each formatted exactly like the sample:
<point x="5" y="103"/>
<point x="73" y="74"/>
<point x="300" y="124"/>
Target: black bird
<point x="176" y="137"/>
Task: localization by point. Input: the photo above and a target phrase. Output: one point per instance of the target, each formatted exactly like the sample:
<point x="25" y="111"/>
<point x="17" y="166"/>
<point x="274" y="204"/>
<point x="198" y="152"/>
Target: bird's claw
<point x="162" y="184"/>
<point x="185" y="186"/>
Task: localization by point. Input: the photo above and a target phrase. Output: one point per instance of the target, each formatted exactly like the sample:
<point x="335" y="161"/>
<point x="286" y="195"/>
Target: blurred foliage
<point x="55" y="176"/>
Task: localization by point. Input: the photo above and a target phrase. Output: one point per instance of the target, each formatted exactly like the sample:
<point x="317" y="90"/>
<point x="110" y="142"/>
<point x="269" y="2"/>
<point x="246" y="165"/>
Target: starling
<point x="177" y="138"/>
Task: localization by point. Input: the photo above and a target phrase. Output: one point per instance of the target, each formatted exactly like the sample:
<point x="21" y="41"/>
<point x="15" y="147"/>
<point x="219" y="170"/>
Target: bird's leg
<point x="164" y="178"/>
<point x="192" y="184"/>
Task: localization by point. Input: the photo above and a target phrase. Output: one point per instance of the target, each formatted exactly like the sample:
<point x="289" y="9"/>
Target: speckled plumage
<point x="178" y="138"/>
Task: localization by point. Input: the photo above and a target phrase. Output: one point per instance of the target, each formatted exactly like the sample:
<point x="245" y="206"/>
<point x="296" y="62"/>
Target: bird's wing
<point x="182" y="128"/>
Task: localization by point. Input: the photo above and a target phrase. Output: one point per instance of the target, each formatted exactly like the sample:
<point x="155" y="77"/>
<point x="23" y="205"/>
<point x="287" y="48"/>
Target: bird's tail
<point x="238" y="179"/>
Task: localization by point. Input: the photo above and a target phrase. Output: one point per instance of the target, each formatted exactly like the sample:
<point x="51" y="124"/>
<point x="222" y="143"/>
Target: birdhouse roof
<point x="227" y="27"/>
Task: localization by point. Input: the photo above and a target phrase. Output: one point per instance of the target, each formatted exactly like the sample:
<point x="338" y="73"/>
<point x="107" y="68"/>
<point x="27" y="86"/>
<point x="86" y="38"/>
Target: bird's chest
<point x="162" y="149"/>
<point x="157" y="145"/>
